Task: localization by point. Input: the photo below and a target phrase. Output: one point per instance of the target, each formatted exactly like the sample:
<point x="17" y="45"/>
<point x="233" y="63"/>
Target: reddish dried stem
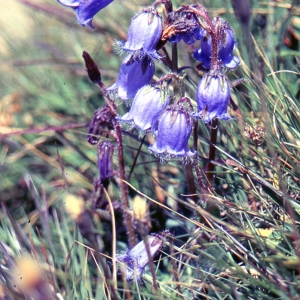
<point x="95" y="76"/>
<point x="123" y="187"/>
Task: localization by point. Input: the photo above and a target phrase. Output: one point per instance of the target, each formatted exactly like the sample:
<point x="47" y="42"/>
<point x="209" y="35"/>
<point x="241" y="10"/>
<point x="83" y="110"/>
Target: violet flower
<point x="85" y="9"/>
<point x="105" y="154"/>
<point x="213" y="95"/>
<point x="173" y="131"/>
<point x="144" y="33"/>
<point x="133" y="263"/>
<point x="227" y="44"/>
<point x="188" y="37"/>
<point x="135" y="72"/>
<point x="147" y="106"/>
<point x="190" y="32"/>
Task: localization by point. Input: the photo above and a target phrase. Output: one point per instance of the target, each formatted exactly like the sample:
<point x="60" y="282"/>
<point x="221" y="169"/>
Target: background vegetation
<point x="46" y="102"/>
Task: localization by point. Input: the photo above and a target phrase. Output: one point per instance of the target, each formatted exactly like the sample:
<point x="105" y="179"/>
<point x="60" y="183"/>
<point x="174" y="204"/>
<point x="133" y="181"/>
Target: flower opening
<point x="135" y="72"/>
<point x="85" y="9"/>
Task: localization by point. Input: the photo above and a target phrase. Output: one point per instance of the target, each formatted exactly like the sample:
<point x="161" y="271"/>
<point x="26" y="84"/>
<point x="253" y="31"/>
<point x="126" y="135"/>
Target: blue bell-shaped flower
<point x="147" y="106"/>
<point x="135" y="72"/>
<point x="173" y="131"/>
<point x="213" y="95"/>
<point x="144" y="33"/>
<point x="204" y="53"/>
<point x="85" y="9"/>
<point x="227" y="44"/>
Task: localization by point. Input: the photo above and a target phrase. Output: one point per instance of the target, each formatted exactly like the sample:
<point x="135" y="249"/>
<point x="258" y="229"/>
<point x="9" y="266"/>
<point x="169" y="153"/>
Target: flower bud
<point x="92" y="69"/>
<point x="144" y="33"/>
<point x="135" y="72"/>
<point x="75" y="207"/>
<point x="147" y="106"/>
<point x="142" y="220"/>
<point x="173" y="131"/>
<point x="102" y="119"/>
<point x="213" y="94"/>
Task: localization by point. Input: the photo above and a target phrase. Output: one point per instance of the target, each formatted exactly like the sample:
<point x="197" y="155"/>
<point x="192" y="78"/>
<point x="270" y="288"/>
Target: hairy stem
<point x="212" y="207"/>
<point x="95" y="77"/>
<point x="123" y="186"/>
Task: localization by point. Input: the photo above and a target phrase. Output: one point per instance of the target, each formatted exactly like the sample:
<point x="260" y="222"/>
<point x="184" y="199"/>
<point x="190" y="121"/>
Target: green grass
<point x="250" y="252"/>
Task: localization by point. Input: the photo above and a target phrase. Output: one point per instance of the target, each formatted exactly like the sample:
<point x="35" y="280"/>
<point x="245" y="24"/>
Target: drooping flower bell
<point x="144" y="33"/>
<point x="147" y="106"/>
<point x="227" y="44"/>
<point x="173" y="131"/>
<point x="85" y="9"/>
<point x="213" y="95"/>
<point x="135" y="72"/>
<point x="133" y="263"/>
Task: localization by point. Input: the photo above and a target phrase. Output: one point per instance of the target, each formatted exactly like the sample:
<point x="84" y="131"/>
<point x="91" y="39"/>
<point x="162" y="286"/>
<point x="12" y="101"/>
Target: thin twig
<point x="42" y="129"/>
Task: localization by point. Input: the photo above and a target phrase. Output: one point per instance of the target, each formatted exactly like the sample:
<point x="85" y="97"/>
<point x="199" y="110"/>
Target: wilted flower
<point x="134" y="261"/>
<point x="188" y="37"/>
<point x="105" y="153"/>
<point x="144" y="33"/>
<point x="28" y="278"/>
<point x="142" y="220"/>
<point x="213" y="94"/>
<point x="226" y="47"/>
<point x="75" y="207"/>
<point x="187" y="27"/>
<point x="173" y="131"/>
<point x="85" y="9"/>
<point x="102" y="119"/>
<point x="135" y="72"/>
<point x="147" y="105"/>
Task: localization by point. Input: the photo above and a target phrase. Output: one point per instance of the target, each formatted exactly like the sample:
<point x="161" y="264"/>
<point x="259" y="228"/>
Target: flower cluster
<point x="172" y="125"/>
<point x="215" y="56"/>
<point x="151" y="110"/>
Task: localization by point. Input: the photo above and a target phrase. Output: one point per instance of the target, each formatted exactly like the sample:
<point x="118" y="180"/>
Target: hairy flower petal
<point x="213" y="96"/>
<point x="147" y="105"/>
<point x="173" y="131"/>
<point x="144" y="33"/>
<point x="226" y="47"/>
